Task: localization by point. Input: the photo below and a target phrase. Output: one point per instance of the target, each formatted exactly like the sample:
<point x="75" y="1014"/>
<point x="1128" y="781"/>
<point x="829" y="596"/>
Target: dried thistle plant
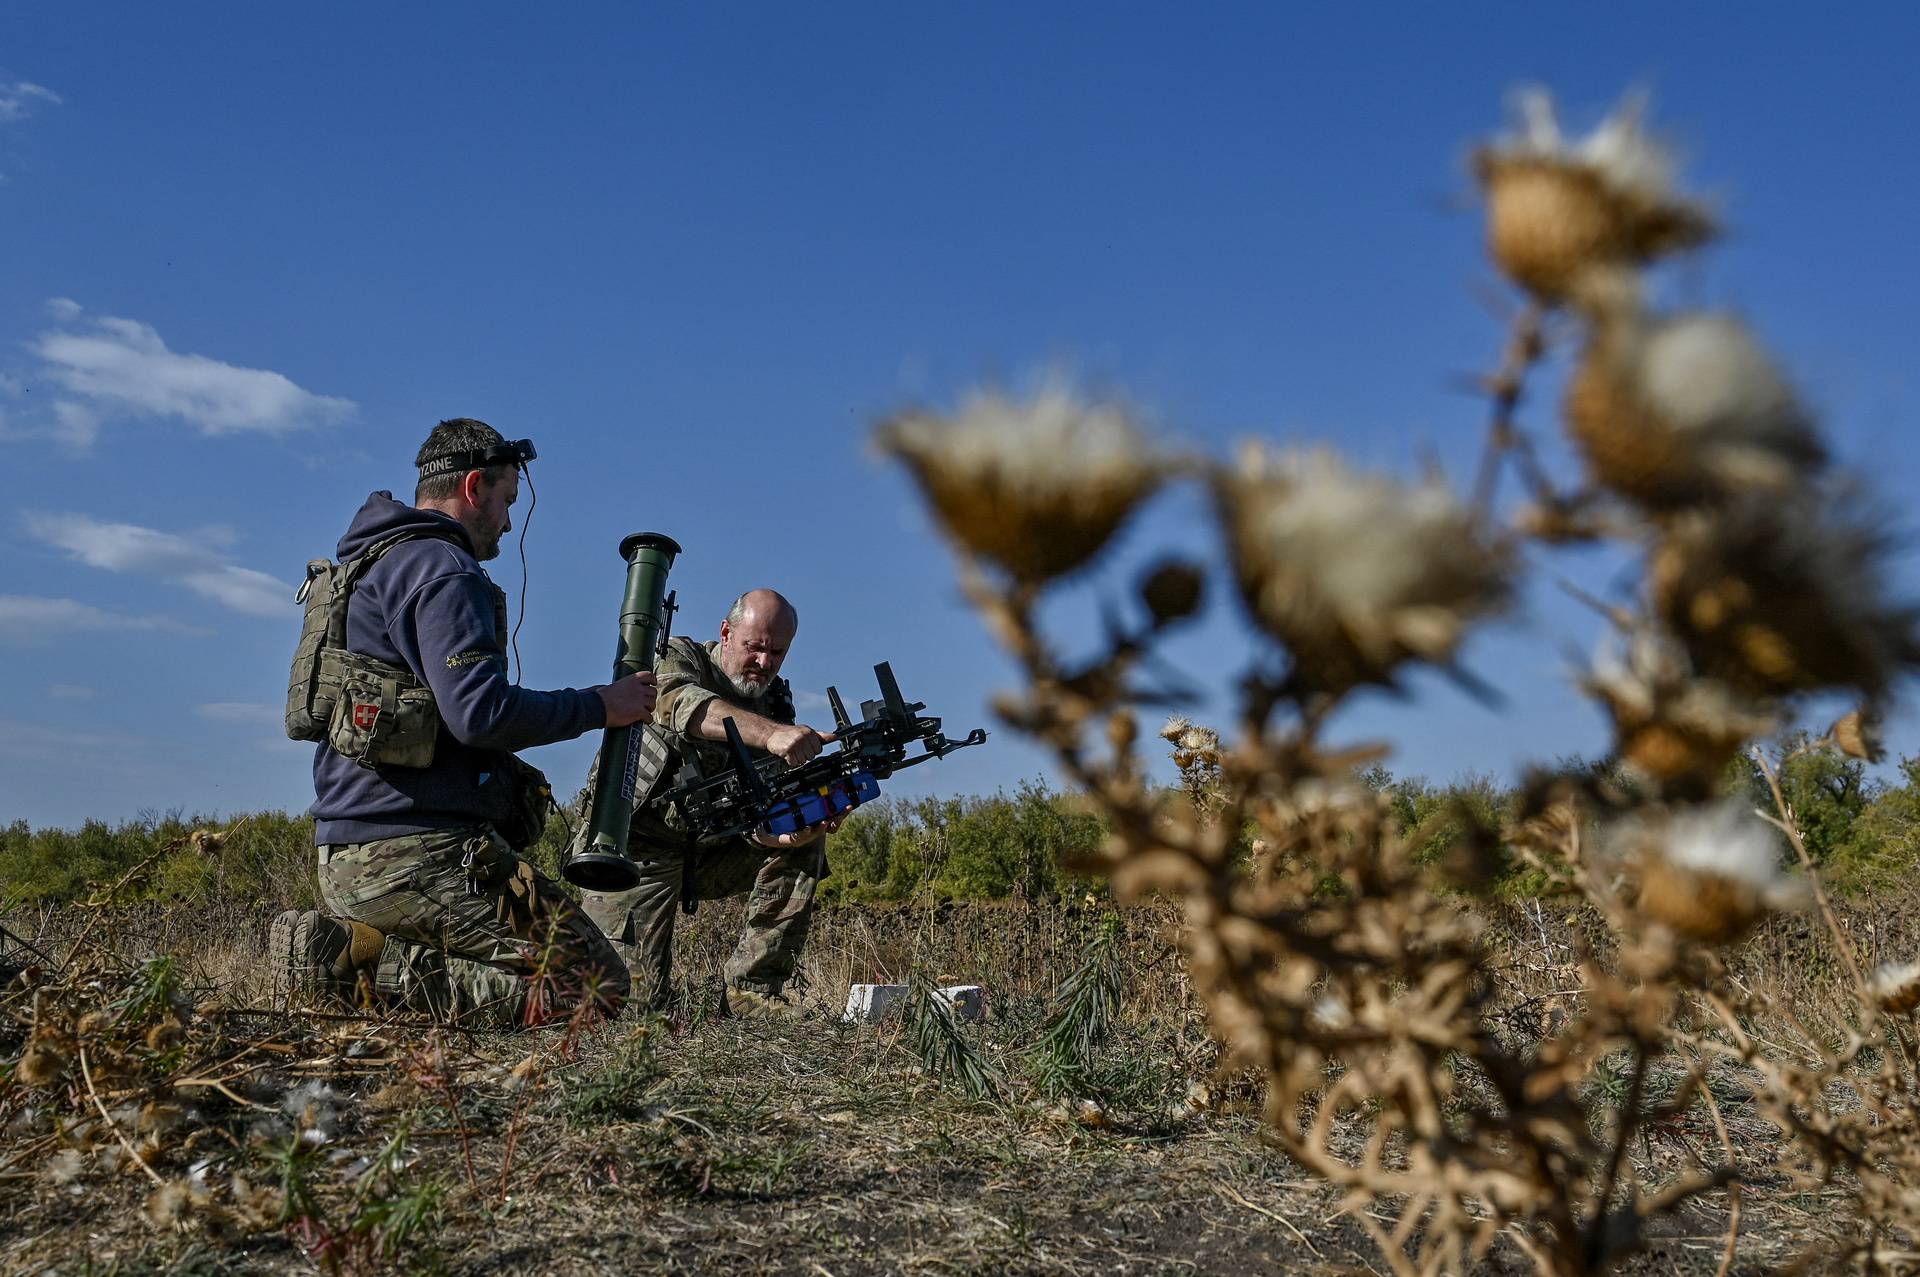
<point x="1560" y="211"/>
<point x="1707" y="873"/>
<point x="1195" y="750"/>
<point x="1670" y="725"/>
<point x="1355" y="574"/>
<point x="1355" y="979"/>
<point x="1895" y="987"/>
<point x="1036" y="486"/>
<point x="1673" y="409"/>
<point x="1778" y="597"/>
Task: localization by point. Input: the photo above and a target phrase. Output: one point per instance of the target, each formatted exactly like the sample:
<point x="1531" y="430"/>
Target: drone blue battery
<point x="808" y="810"/>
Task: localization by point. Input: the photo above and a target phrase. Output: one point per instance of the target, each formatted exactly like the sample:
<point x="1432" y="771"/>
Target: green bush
<point x="1863" y="831"/>
<point x="1829" y="793"/>
<point x="967" y="848"/>
<point x="549" y="850"/>
<point x="1442" y="814"/>
<point x="265" y="856"/>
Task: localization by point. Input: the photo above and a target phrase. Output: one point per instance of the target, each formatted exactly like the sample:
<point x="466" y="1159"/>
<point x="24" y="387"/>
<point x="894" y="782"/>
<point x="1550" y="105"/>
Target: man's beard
<point x="744" y="689"/>
<point x="485" y="545"/>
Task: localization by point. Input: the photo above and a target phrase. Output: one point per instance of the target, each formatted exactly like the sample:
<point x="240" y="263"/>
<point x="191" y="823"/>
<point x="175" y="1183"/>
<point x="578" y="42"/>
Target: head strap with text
<point x="514" y="453"/>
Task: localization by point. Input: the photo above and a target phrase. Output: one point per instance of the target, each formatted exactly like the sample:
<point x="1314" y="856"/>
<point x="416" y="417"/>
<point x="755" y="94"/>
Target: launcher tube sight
<point x="602" y="864"/>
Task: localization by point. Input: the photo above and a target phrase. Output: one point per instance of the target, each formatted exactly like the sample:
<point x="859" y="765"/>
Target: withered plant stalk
<point x="1345" y="968"/>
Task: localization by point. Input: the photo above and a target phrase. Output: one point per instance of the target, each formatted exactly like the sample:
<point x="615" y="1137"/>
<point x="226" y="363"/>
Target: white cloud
<point x="243" y="713"/>
<point x="19" y="99"/>
<point x="71" y="692"/>
<point x="28" y="620"/>
<point x="195" y="565"/>
<point x="113" y="367"/>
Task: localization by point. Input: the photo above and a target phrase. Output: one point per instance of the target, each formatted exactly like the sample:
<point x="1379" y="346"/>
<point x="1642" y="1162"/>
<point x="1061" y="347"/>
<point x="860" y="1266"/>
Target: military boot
<point x="752" y="1004"/>
<point x="313" y="957"/>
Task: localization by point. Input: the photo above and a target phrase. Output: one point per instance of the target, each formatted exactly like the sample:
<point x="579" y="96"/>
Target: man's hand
<point x="630" y="700"/>
<point x="796" y="744"/>
<point x="780" y="842"/>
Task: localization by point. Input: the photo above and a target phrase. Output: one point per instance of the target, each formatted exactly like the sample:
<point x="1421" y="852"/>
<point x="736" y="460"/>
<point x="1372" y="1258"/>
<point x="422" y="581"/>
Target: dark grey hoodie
<point x="427" y="605"/>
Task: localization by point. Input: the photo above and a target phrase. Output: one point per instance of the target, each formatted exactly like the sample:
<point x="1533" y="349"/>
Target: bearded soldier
<point x="420" y="805"/>
<point x="701" y="685"/>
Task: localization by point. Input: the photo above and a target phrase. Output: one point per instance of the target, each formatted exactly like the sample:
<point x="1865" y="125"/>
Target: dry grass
<point x="766" y="1146"/>
<point x="773" y="1146"/>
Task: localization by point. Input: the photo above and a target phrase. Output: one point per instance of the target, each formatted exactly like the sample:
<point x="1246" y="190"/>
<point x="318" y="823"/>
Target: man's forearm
<point x="709" y="722"/>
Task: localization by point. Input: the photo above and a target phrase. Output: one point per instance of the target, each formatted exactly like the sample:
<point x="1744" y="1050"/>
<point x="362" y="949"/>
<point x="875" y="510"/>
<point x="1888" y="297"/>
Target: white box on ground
<point x="969" y="1001"/>
<point x="871" y="1002"/>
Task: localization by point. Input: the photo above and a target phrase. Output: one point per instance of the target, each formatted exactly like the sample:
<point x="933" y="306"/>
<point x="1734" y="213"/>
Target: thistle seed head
<point x="1356" y="573"/>
<point x="1172" y="591"/>
<point x="1331" y="1013"/>
<point x="165" y="1035"/>
<point x="1709" y="874"/>
<point x="66" y="1166"/>
<point x="159" y="1117"/>
<point x="43" y="1062"/>
<point x="1895" y="987"/>
<point x="1193" y="746"/>
<point x="171" y="1205"/>
<point x="1686" y="409"/>
<point x="1775" y="597"/>
<point x="1668" y="724"/>
<point x="1036" y="486"/>
<point x="1857" y="734"/>
<point x="1560" y="211"/>
<point x="314" y="1109"/>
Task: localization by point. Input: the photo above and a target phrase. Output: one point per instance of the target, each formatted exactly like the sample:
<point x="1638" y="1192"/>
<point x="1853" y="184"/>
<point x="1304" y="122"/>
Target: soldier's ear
<point x="471" y="485"/>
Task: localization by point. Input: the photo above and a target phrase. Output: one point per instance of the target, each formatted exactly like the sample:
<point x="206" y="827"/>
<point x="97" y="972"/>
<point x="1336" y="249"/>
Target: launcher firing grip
<point x="602" y="863"/>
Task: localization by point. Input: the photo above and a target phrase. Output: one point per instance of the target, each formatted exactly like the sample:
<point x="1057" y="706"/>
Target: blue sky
<point x="253" y="253"/>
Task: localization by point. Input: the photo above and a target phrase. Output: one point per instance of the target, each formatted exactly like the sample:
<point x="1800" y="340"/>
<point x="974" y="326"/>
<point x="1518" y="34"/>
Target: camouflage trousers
<point x="779" y="887"/>
<point x="474" y="933"/>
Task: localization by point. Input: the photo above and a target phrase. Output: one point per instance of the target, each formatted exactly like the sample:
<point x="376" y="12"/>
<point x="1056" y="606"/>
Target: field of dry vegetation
<point x="1266" y="1019"/>
<point x="191" y="1128"/>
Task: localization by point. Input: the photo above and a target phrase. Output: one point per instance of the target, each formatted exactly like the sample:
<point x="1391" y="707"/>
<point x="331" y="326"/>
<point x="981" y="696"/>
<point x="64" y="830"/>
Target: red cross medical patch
<point x="365" y="714"/>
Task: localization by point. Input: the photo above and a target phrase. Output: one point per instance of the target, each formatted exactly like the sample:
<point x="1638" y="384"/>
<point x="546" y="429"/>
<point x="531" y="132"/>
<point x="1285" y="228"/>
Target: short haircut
<point x="456" y="434"/>
<point x="738" y="611"/>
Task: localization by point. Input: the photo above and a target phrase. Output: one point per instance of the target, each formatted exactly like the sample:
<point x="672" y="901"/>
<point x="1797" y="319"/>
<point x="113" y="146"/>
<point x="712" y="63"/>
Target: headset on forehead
<point x="514" y="453"/>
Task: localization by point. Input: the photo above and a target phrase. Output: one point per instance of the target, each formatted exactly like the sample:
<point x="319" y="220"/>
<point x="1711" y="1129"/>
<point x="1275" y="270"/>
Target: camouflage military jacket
<point x="689" y="676"/>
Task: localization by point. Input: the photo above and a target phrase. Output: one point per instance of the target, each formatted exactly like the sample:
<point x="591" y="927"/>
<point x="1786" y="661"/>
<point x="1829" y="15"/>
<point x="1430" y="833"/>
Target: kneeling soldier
<point x="701" y="686"/>
<point x="419" y="802"/>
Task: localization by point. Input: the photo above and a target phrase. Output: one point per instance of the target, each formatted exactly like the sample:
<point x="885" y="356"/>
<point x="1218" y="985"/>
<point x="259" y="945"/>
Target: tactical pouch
<point x="321" y="659"/>
<point x="529" y="800"/>
<point x="382" y="717"/>
<point x="310" y="693"/>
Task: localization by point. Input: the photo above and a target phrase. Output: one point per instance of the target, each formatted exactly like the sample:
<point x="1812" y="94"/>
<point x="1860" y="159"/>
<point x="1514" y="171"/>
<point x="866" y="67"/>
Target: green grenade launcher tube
<point x="602" y="864"/>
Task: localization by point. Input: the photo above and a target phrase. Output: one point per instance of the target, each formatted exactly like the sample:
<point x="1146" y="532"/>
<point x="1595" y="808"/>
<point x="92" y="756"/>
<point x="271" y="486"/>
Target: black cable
<point x="533" y="499"/>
